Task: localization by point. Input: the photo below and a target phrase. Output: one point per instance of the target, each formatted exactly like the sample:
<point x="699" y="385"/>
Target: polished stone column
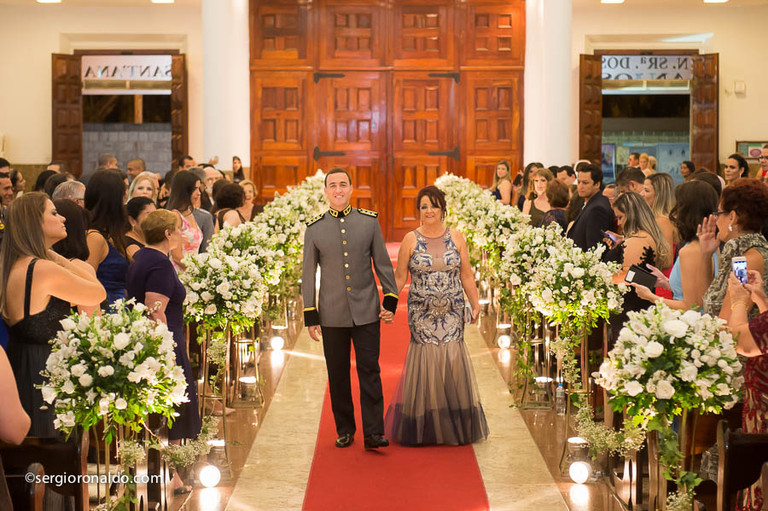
<point x="548" y="77"/>
<point x="226" y="89"/>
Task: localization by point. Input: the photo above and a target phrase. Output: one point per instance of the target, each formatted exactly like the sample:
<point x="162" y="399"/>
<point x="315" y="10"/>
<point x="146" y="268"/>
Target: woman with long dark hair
<point x="106" y="235"/>
<point x="138" y="208"/>
<point x="75" y="245"/>
<point x="185" y="192"/>
<point x="237" y="169"/>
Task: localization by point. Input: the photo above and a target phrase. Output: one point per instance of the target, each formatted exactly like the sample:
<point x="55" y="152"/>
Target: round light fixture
<point x="579" y="472"/>
<point x="504" y="341"/>
<point x="276" y="343"/>
<point x="209" y="476"/>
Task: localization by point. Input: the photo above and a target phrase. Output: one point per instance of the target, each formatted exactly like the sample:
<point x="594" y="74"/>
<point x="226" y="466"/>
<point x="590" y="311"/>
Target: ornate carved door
<point x="383" y="88"/>
<point x="67" y="136"/>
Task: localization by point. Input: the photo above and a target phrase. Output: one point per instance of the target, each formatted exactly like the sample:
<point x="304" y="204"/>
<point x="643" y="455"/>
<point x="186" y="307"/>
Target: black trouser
<point x="336" y="346"/>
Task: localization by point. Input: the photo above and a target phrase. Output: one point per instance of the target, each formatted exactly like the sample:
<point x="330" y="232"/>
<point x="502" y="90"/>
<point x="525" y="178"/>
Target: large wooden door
<point x="389" y="90"/>
<point x="67" y="122"/>
<point x="704" y="113"/>
<point x="591" y="107"/>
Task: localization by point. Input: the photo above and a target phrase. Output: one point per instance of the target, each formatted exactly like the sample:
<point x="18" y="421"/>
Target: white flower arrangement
<point x="223" y="290"/>
<point x="116" y="368"/>
<point x="666" y="362"/>
<point x="527" y="248"/>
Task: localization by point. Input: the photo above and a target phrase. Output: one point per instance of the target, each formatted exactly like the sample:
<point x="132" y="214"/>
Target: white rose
<point x="675" y="327"/>
<point x="122" y="340"/>
<point x="633" y="388"/>
<point x="78" y="370"/>
<point x="210" y="309"/>
<point x="664" y="390"/>
<point x="68" y="387"/>
<point x="121" y="404"/>
<point x="654" y="349"/>
<point x="578" y="272"/>
<point x="206" y="296"/>
<point x="105" y="371"/>
<point x="86" y="380"/>
<point x="691" y="317"/>
<point x="103" y="406"/>
<point x="67" y="324"/>
<point x="689" y="372"/>
<point x="214" y="263"/>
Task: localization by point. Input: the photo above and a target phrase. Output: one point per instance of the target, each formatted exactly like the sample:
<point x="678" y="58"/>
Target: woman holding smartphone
<point x="742" y="212"/>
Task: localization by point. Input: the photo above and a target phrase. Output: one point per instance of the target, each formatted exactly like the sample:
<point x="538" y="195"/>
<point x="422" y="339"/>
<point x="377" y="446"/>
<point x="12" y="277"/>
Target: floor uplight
<point x="210" y="476"/>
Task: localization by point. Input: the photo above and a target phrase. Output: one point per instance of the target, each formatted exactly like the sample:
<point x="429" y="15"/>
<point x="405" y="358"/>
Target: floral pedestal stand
<point x="583" y="392"/>
<point x="541" y="396"/>
<point x="216" y="387"/>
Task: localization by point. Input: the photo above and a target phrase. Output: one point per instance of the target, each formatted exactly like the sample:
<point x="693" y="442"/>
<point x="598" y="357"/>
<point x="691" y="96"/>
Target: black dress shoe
<point x="375" y="441"/>
<point x="345" y="440"/>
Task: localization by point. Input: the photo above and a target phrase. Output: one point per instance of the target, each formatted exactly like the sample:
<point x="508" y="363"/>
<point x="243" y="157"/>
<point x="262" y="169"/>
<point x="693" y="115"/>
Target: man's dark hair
<point x="337" y="171"/>
<point x="635" y="155"/>
<point x="565" y="168"/>
<point x="52" y="182"/>
<point x="595" y="172"/>
<point x="435" y="195"/>
<point x="5" y="175"/>
<point x="703" y="174"/>
<point x="690" y="165"/>
<point x="4" y="163"/>
<point x="105" y="158"/>
<point x="743" y="165"/>
<point x="63" y="165"/>
<point x="630" y="174"/>
<point x="184" y="159"/>
<point x="135" y="206"/>
<point x="42" y="178"/>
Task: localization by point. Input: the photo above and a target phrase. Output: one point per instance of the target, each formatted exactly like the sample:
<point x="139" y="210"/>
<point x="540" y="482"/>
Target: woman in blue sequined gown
<point x="436" y="401"/>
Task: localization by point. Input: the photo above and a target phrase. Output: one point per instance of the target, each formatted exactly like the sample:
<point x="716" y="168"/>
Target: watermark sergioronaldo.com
<point x="120" y="478"/>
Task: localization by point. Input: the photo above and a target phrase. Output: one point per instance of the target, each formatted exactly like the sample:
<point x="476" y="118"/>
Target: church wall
<point x="31" y="33"/>
<point x="738" y="34"/>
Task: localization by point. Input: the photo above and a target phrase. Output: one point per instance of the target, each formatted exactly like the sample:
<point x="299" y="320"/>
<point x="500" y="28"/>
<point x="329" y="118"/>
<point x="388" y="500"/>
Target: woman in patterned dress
<point x="185" y="192"/>
<point x="436" y="401"/>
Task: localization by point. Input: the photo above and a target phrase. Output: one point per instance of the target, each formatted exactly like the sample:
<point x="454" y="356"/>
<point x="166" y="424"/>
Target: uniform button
<point x="343" y="231"/>
<point x="344" y="242"/>
<point x="349" y="289"/>
<point x="346" y="265"/>
<point x="346" y="254"/>
<point x="347" y="277"/>
<point x="341" y="220"/>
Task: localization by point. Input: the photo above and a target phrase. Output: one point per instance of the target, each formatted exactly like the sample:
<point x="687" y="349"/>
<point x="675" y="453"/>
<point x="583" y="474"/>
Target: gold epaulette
<point x="318" y="217"/>
<point x="368" y="212"/>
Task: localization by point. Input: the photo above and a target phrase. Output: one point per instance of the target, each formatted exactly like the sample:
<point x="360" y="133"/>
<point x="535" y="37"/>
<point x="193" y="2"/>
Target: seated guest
<point x="694" y="201"/>
<point x="106" y="235"/>
<point x="74" y="245"/>
<point x="229" y="199"/>
<point x="557" y="195"/>
<point x="137" y="208"/>
<point x="537" y="204"/>
<point x="143" y="185"/>
<point x="152" y="280"/>
<point x="743" y="210"/>
<point x="71" y="190"/>
<point x="46" y="286"/>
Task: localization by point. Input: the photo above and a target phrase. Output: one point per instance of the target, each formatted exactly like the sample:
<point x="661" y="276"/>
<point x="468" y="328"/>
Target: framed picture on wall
<point x="608" y="161"/>
<point x="750" y="150"/>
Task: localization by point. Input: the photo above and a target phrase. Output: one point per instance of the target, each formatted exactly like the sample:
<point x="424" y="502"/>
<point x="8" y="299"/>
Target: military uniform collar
<point x="340" y="214"/>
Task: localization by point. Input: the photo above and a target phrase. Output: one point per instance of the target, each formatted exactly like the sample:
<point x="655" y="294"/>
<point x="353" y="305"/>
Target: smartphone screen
<point x="740" y="269"/>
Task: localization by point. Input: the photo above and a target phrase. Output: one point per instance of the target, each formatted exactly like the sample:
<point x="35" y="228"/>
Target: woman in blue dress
<point x="436" y="401"/>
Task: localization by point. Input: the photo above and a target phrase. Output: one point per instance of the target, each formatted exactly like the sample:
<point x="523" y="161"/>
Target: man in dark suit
<point x="596" y="215"/>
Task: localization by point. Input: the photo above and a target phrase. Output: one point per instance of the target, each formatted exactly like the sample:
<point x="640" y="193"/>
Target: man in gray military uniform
<point x="343" y="241"/>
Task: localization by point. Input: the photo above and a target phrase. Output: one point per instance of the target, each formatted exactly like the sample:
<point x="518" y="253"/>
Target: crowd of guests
<point x="82" y="244"/>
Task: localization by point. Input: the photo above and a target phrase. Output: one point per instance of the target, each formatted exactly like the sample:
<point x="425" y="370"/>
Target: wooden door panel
<point x="423" y="35"/>
<point x="423" y="113"/>
<point x="364" y="171"/>
<point x="480" y="169"/>
<point x="179" y="108"/>
<point x="67" y="111"/>
<point x="411" y="174"/>
<point x="274" y="174"/>
<point x="352" y="35"/>
<point x="591" y="108"/>
<point x="280" y="33"/>
<point x="704" y="111"/>
<point x="493" y="111"/>
<point x="494" y="35"/>
<point x="353" y="112"/>
<point x="280" y="111"/>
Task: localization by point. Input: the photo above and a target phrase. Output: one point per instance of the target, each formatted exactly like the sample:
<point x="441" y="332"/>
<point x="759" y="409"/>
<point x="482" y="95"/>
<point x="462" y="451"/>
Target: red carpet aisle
<point x="399" y="478"/>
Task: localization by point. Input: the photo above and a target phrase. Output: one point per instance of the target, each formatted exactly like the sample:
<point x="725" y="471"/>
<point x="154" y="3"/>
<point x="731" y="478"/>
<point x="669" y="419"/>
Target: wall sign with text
<point x="126" y="74"/>
<point x="647" y="67"/>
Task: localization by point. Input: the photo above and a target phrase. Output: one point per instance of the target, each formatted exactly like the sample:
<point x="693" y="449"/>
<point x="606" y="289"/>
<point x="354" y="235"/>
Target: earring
<point x="730" y="227"/>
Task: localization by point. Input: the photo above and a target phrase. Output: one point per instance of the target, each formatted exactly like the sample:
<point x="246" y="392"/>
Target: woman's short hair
<point x="749" y="199"/>
<point x="135" y="206"/>
<point x="229" y="196"/>
<point x="156" y="223"/>
<point x="690" y="165"/>
<point x="435" y="195"/>
<point x="74" y="246"/>
<point x="694" y="201"/>
<point x="557" y="194"/>
<point x="248" y="182"/>
<point x="144" y="176"/>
